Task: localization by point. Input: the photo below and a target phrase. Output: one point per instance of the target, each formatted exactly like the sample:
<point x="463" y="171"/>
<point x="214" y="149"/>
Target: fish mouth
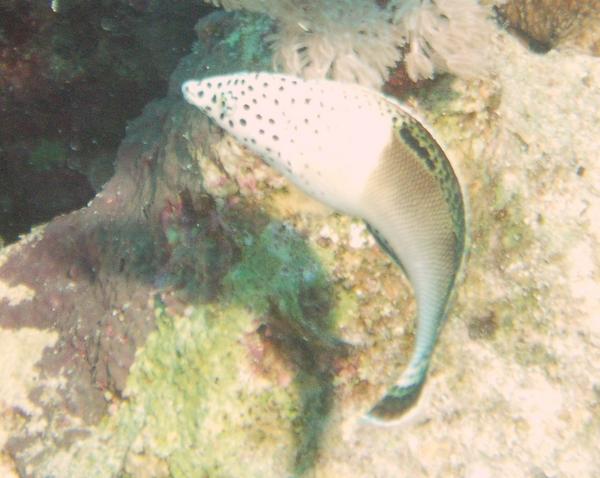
<point x="215" y="101"/>
<point x="192" y="92"/>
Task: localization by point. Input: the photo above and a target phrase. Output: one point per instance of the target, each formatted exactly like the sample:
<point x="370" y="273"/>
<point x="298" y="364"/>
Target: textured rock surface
<point x="235" y="293"/>
<point x="573" y="24"/>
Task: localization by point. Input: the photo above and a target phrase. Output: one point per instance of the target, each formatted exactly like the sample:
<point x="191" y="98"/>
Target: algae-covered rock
<point x="193" y="407"/>
<point x="223" y="391"/>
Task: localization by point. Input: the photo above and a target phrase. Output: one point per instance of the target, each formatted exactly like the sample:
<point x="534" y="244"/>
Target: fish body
<point x="364" y="155"/>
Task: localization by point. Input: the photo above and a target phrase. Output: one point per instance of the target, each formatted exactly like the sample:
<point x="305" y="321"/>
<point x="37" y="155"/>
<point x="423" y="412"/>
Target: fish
<point x="366" y="155"/>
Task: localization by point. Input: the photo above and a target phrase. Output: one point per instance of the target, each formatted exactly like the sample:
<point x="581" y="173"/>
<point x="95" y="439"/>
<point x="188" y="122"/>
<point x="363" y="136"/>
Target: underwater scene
<point x="299" y="238"/>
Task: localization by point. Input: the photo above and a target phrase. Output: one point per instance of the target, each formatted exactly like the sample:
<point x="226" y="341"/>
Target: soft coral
<point x="362" y="40"/>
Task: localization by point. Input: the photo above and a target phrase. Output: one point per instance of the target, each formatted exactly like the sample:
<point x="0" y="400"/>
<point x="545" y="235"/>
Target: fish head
<point x="321" y="135"/>
<point x="212" y="98"/>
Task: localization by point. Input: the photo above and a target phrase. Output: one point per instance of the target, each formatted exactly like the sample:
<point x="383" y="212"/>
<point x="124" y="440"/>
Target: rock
<point x="556" y="23"/>
<point x="73" y="73"/>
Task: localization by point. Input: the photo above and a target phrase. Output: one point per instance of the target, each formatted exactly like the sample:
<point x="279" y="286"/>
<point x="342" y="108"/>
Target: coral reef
<point x="201" y="317"/>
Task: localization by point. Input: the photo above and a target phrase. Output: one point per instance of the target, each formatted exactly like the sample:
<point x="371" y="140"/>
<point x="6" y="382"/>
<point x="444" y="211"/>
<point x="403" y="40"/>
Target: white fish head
<point x="324" y="136"/>
<point x="211" y="98"/>
<point x="253" y="107"/>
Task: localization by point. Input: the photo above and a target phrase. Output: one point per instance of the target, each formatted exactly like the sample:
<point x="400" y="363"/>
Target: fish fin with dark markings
<point x="384" y="245"/>
<point x="396" y="403"/>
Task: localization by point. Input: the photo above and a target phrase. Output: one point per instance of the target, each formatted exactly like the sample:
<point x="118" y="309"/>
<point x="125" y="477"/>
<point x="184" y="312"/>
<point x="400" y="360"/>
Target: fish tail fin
<point x="401" y="398"/>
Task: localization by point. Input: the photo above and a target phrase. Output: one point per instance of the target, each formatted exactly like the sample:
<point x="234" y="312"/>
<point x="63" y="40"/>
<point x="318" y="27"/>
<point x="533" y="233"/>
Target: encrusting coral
<point x="360" y="40"/>
<point x="556" y="23"/>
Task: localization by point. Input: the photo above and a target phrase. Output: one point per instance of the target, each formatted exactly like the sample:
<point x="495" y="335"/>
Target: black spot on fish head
<point x="216" y="96"/>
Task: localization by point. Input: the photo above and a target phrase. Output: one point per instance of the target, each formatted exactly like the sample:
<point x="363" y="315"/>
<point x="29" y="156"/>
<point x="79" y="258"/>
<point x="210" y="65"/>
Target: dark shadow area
<point x="282" y="280"/>
<point x="71" y="78"/>
<point x="313" y="353"/>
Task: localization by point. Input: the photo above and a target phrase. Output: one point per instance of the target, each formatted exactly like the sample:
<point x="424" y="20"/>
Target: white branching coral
<point x="360" y="41"/>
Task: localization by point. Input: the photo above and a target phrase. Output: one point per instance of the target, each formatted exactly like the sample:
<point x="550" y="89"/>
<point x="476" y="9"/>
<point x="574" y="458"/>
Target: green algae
<point x="535" y="354"/>
<point x="280" y="271"/>
<point x="346" y="309"/>
<point x="280" y="277"/>
<point x="195" y="396"/>
<point x="248" y="39"/>
<point x="193" y="400"/>
<point x="192" y="403"/>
